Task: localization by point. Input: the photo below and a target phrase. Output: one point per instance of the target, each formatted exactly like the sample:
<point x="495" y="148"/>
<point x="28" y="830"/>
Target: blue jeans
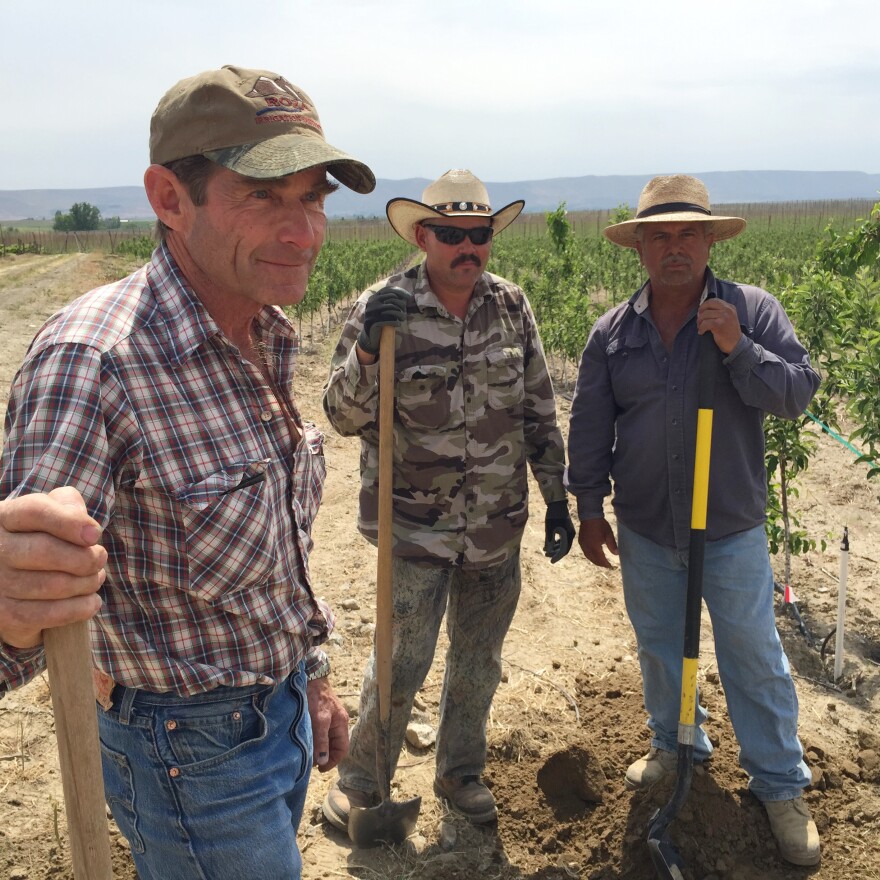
<point x="210" y="787"/>
<point x="738" y="592"/>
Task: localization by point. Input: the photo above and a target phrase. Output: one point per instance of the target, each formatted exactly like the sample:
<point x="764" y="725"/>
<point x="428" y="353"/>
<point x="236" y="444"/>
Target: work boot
<point x="467" y="795"/>
<point x="651" y="768"/>
<point x="339" y="801"/>
<point x="794" y="830"/>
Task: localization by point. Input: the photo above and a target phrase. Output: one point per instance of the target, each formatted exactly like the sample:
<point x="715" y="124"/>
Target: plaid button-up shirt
<point x="133" y="395"/>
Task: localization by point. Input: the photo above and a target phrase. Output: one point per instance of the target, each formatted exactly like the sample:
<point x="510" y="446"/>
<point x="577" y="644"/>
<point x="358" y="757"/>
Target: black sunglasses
<point x="456" y="235"/>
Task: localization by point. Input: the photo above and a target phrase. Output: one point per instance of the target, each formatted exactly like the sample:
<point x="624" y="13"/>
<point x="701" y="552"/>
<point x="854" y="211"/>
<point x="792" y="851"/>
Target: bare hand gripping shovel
<point x="389" y="822"/>
<point x="69" y="658"/>
<point x="667" y="862"/>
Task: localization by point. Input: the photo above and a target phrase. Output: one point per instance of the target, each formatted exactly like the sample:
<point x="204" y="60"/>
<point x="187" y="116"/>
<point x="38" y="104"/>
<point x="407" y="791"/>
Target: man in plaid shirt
<point x="165" y="401"/>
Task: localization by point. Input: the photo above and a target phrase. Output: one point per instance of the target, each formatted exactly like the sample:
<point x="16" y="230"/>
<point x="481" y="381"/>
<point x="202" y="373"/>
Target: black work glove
<point x="559" y="530"/>
<point x="386" y="307"/>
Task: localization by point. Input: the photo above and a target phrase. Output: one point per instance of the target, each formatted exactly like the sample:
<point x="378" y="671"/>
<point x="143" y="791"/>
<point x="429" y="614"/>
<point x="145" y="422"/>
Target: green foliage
<point x="788" y="453"/>
<point x="81" y="218"/>
<point x="859" y="248"/>
<point x="347" y="267"/>
<point x="559" y="228"/>
<point x="20" y="247"/>
<point x="141" y="247"/>
<point x="620" y="214"/>
<point x="836" y="308"/>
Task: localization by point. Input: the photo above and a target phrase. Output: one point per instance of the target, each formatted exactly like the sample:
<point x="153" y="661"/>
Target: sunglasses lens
<point x="449" y="234"/>
<point x="455" y="235"/>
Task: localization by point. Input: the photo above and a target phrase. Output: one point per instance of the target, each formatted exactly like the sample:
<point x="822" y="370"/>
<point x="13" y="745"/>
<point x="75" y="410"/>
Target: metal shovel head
<point x="390" y="822"/>
<point x="668" y="863"/>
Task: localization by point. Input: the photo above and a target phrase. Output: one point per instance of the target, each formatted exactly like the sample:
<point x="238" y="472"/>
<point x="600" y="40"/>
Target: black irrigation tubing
<point x="796" y="614"/>
<point x="825" y="643"/>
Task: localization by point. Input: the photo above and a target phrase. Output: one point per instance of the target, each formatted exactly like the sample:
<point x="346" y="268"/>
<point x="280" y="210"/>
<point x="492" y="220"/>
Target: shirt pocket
<point x="632" y="369"/>
<point x="505" y="386"/>
<point x="423" y="396"/>
<point x="230" y="532"/>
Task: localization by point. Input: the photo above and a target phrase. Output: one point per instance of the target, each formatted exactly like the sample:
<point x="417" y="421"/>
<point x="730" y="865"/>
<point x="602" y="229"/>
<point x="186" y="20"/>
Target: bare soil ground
<point x="568" y="717"/>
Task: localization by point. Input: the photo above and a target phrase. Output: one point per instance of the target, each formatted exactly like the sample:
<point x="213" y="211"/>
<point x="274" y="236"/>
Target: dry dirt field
<point x="568" y="717"/>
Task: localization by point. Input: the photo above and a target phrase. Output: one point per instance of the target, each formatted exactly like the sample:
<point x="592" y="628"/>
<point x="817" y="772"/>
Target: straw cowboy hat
<point x="674" y="198"/>
<point x="456" y="194"/>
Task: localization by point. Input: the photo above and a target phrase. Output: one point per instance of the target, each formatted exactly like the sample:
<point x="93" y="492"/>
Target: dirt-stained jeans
<point x="479" y="608"/>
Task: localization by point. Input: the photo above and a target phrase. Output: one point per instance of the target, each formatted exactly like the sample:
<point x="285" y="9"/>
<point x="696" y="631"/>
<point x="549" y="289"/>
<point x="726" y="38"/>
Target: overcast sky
<point x="512" y="89"/>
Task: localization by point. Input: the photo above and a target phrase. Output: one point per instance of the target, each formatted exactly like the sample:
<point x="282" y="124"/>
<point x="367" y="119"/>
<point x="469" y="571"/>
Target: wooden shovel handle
<point x="386" y="484"/>
<point x="69" y="658"/>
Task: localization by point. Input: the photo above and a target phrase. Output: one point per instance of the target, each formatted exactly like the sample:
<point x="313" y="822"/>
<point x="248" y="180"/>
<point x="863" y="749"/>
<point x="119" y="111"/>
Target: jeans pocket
<point x="300" y="729"/>
<point x="119" y="792"/>
<point x="212" y="732"/>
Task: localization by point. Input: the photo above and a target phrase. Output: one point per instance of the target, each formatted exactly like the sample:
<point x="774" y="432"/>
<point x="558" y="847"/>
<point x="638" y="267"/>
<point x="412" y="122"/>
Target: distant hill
<point x="579" y="193"/>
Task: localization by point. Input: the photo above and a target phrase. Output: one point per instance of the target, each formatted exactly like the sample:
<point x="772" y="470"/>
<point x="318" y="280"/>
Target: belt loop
<point x="126" y="703"/>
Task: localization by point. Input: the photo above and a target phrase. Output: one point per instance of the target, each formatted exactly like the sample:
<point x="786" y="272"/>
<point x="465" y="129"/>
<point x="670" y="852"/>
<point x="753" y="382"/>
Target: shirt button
<point x="266" y="416"/>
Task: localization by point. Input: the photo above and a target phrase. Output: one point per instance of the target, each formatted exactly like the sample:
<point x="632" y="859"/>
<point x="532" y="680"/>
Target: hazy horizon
<point x="512" y="91"/>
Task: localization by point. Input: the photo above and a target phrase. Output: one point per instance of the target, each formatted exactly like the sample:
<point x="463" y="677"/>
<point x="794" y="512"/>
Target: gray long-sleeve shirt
<point x="633" y="416"/>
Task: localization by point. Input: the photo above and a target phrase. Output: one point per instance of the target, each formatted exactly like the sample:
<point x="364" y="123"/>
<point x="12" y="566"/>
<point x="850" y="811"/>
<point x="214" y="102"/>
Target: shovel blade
<point x="668" y="863"/>
<point x="390" y="822"/>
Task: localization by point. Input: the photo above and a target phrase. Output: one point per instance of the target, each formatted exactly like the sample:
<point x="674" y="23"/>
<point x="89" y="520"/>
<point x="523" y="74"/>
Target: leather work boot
<point x="794" y="830"/>
<point x="468" y="796"/>
<point x="651" y="768"/>
<point x="339" y="801"/>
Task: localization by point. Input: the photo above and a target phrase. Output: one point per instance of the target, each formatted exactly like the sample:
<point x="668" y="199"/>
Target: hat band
<point x="463" y="206"/>
<point x="672" y="208"/>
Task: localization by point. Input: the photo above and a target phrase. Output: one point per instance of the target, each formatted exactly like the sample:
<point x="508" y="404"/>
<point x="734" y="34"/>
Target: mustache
<point x="466" y="258"/>
<point x="676" y="261"/>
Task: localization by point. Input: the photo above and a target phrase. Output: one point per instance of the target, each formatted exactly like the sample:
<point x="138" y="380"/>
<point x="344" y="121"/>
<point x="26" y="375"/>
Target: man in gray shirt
<point x="633" y="422"/>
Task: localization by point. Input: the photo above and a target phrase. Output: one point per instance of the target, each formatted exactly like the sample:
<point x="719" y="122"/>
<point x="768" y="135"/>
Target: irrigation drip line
<point x="796" y="614"/>
<point x="834" y="434"/>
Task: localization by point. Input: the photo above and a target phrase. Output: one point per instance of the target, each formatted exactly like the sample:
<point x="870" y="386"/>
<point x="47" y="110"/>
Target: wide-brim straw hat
<point x="674" y="198"/>
<point x="458" y="193"/>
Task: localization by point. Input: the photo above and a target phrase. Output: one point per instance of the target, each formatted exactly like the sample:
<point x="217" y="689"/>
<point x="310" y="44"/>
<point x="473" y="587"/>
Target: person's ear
<point x="167" y="196"/>
<point x="421" y="234"/>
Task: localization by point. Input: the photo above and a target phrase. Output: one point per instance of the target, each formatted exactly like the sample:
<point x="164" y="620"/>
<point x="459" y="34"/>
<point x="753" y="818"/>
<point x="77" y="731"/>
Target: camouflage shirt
<point x="473" y="403"/>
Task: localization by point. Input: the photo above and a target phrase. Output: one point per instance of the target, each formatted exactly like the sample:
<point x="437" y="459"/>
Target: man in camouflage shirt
<point x="474" y="403"/>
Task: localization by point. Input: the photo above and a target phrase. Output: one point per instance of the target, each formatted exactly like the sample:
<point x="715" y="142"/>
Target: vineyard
<point x="569" y="709"/>
<point x="819" y="258"/>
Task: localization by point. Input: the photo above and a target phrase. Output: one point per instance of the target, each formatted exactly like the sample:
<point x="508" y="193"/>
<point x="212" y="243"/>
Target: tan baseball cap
<point x="253" y="122"/>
